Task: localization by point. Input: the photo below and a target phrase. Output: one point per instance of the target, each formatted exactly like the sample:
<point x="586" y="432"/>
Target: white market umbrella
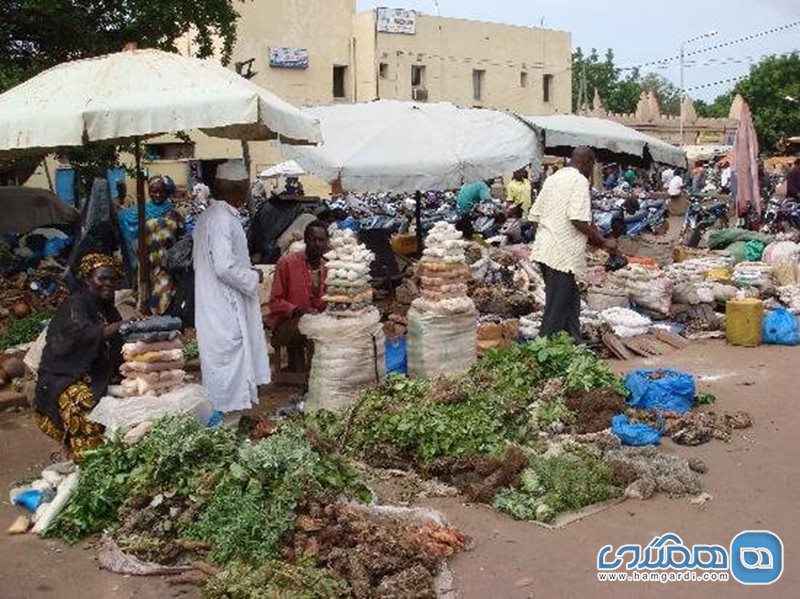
<point x="285" y="169"/>
<point x="134" y="94"/>
<point x="405" y="147"/>
<point x="140" y="93"/>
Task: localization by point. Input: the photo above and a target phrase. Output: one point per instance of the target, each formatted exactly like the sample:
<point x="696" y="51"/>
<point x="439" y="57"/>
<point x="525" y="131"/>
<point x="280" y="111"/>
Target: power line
<point x="747" y="38"/>
<point x="715" y="83"/>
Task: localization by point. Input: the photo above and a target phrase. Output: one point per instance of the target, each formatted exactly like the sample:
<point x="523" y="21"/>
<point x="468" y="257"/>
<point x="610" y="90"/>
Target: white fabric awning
<point x="396" y="146"/>
<point x="285" y="169"/>
<point x="569" y="130"/>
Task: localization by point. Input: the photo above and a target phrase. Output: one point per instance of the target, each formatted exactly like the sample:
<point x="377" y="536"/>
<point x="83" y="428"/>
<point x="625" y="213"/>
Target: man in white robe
<point x="230" y="332"/>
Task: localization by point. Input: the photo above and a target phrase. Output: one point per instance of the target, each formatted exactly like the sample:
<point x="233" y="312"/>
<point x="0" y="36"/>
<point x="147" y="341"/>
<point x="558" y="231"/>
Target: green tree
<point x="772" y="89"/>
<point x="619" y="93"/>
<point x="718" y="108"/>
<point x="668" y="94"/>
<point x="38" y="34"/>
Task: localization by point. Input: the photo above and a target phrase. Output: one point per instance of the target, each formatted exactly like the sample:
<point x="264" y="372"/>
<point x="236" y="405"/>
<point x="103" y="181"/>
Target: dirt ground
<point x="753" y="480"/>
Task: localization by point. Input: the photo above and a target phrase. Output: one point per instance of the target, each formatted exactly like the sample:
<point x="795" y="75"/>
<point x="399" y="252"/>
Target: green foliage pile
<point x="550" y="485"/>
<point x="243" y="494"/>
<point x="301" y="580"/>
<point x="24" y="330"/>
<point x="508" y="398"/>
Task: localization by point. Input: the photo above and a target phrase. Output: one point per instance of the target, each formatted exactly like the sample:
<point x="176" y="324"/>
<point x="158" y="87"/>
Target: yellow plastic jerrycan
<point x="743" y="318"/>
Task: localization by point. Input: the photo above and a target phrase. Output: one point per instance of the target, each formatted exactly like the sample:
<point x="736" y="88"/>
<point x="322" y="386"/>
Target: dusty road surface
<point x="754" y="480"/>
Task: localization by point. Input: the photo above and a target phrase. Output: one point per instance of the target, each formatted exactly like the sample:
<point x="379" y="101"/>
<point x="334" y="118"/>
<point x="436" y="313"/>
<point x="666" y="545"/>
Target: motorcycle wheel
<point x="692" y="238"/>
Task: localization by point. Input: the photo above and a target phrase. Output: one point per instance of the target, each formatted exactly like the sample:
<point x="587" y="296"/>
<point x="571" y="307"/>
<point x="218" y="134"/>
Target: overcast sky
<point x="640" y="32"/>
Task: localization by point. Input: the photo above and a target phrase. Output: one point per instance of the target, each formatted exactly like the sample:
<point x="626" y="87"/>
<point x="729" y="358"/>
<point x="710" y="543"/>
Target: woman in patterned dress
<point x="81" y="354"/>
<point x="162" y="228"/>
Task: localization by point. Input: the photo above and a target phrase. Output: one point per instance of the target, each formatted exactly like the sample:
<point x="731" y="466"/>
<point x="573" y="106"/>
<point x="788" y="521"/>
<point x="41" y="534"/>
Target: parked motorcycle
<point x="700" y="217"/>
<point x="781" y="215"/>
<point x="651" y="217"/>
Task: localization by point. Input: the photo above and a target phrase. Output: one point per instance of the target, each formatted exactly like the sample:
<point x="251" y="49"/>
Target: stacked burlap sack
<point x="648" y="287"/>
<point x="442" y="323"/>
<point x="349" y="343"/>
<point x="693" y="281"/>
<point x="153" y="357"/>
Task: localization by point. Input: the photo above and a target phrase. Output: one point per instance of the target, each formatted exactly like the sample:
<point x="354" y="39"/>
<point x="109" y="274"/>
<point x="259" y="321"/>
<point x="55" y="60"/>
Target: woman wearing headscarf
<point x="80" y="356"/>
<point x="163" y="226"/>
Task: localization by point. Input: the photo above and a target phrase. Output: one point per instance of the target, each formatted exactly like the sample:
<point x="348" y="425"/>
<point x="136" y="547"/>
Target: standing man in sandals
<point x="563" y="213"/>
<point x="230" y="332"/>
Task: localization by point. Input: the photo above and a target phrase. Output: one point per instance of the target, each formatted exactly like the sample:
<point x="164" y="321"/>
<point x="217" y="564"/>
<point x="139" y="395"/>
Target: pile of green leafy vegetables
<point x="507" y="399"/>
<point x="24" y="330"/>
<point x="242" y="494"/>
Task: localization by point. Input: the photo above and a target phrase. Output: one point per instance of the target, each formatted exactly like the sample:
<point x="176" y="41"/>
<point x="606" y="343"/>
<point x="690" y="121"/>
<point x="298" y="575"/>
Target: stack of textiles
<point x="153" y="356"/>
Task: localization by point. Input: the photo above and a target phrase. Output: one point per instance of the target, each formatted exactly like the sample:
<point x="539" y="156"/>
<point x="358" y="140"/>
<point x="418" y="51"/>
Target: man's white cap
<point x="232" y="170"/>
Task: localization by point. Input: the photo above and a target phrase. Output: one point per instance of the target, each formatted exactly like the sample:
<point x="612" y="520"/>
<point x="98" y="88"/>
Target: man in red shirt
<point x="297" y="289"/>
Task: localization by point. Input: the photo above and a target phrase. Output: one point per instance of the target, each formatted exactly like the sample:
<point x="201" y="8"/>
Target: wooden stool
<point x="297" y="377"/>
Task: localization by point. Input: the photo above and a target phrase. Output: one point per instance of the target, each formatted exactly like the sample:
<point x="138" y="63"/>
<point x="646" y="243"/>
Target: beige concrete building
<point x="313" y="52"/>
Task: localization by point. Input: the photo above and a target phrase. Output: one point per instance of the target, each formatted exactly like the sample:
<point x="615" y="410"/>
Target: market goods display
<point x="349" y="343"/>
<point x="262" y="518"/>
<point x="348" y="284"/>
<point x="647" y="287"/>
<point x="752" y="274"/>
<point x="153" y="354"/>
<point x="790" y="297"/>
<point x="495" y="332"/>
<point x="442" y="324"/>
<point x="606" y="296"/>
<point x="467" y="431"/>
<point x="625" y="323"/>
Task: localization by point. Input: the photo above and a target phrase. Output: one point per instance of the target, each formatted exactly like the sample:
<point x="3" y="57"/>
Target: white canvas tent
<point x="570" y="131"/>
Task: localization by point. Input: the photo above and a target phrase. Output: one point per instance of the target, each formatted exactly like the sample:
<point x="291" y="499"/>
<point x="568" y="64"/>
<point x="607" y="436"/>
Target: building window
<point x="383" y="70"/>
<point x="547" y="84"/>
<point x="418" y="75"/>
<point x="338" y="81"/>
<point x="523" y="78"/>
<point x="478" y="77"/>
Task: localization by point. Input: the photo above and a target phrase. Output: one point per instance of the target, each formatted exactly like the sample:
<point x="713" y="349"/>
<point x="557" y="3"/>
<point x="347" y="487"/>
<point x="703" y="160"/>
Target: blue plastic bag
<point x="665" y="390"/>
<point x="634" y="434"/>
<point x="780" y="328"/>
<point x="30" y="499"/>
<point x="396" y="356"/>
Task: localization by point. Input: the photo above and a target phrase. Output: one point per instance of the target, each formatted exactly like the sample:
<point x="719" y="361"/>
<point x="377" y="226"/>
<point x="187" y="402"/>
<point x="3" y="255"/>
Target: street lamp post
<point x="683" y="49"/>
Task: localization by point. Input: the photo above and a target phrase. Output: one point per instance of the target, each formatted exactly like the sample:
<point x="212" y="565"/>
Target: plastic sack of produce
<point x="780" y="328"/>
<point x="396" y="356"/>
<point x="441" y="343"/>
<point x="635" y="434"/>
<point x="115" y="413"/>
<point x="665" y="390"/>
<point x="349" y="355"/>
<point x="625" y="323"/>
<point x="780" y="251"/>
<point x="646" y="287"/>
<point x="753" y="250"/>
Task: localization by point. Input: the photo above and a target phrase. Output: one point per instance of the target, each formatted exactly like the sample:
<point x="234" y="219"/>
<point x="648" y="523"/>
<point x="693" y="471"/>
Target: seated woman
<point x="81" y="354"/>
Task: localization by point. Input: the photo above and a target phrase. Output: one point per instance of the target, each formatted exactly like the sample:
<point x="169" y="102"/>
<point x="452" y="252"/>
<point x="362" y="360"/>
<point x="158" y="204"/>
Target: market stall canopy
<point x="571" y="131"/>
<point x="23" y="209"/>
<point x="708" y="152"/>
<point x="139" y="93"/>
<point x="285" y="169"/>
<point x="405" y="147"/>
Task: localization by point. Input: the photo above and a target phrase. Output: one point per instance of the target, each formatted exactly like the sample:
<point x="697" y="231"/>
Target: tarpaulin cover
<point x="665" y="390"/>
<point x="634" y="433"/>
<point x="23" y="209"/>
